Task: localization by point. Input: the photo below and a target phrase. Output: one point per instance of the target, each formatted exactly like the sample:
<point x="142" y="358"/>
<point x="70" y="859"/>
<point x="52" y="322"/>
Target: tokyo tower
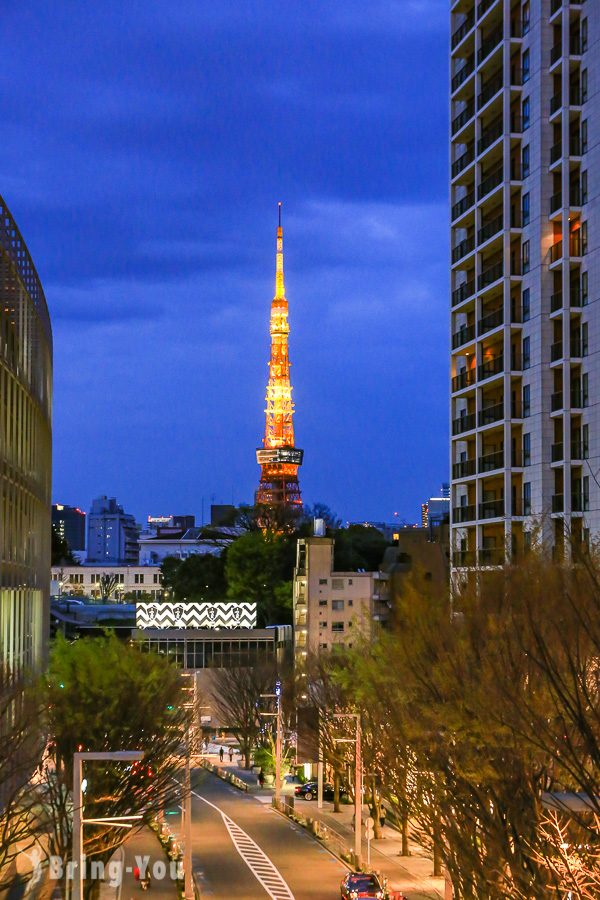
<point x="279" y="458"/>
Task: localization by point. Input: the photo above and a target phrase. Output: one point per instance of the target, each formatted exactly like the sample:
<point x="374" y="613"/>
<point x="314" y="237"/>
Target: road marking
<point x="256" y="859"/>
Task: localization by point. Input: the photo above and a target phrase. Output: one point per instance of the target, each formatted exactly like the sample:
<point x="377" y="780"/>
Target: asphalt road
<point x="276" y="858"/>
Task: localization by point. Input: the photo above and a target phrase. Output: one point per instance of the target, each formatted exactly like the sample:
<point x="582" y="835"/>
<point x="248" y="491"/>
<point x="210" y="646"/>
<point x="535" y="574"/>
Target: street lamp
<point x="79" y="821"/>
<point x="357" y="781"/>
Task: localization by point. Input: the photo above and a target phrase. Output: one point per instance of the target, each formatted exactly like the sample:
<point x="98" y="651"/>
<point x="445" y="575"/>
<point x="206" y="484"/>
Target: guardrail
<point x="224" y="775"/>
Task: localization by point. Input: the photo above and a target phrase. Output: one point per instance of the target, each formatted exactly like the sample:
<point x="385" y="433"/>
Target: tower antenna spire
<point x="279" y="458"/>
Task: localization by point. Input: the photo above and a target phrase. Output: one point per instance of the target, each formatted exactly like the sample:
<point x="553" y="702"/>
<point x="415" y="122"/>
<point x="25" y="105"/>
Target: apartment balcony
<point x="490" y="89"/>
<point x="489" y="44"/>
<point x="556" y="202"/>
<point x="578" y="348"/>
<point x="490" y="275"/>
<point x="463" y="292"/>
<point x="490" y="368"/>
<point x="483" y="7"/>
<point x="461" y="76"/>
<point x="491" y="509"/>
<point x="575" y="249"/>
<point x="464" y="379"/>
<point x="464" y="558"/>
<point x="463" y="514"/>
<point x="490" y="229"/>
<point x="579" y="399"/>
<point x="579" y="502"/>
<point x="490" y="414"/>
<point x="462" y="162"/>
<point x="579" y="450"/>
<point x="491" y="556"/>
<point x="575" y="146"/>
<point x="555" y="153"/>
<point x="558" y="503"/>
<point x="462" y="31"/>
<point x="463" y="336"/>
<point x="491" y="320"/>
<point x="557" y="453"/>
<point x="459" y="121"/>
<point x="463" y="205"/>
<point x="463" y="249"/>
<point x="490" y="182"/>
<point x="516" y="124"/>
<point x="491" y="461"/>
<point x="463" y="424"/>
<point x="490" y="135"/>
<point x="464" y="469"/>
<point x="556" y="351"/>
<point x="556" y="301"/>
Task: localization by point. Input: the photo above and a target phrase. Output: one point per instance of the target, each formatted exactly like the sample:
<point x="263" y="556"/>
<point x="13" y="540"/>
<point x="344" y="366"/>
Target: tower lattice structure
<point x="279" y="458"/>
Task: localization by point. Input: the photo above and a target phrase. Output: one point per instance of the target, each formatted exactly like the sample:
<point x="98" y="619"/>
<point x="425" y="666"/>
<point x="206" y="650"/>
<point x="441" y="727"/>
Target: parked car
<point x="357" y="884"/>
<point x="309" y="791"/>
<point x="290" y="783"/>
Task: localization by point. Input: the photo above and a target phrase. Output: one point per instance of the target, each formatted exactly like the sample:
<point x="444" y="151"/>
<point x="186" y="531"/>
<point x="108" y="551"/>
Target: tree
<point x="107" y="586"/>
<point x="199" y="577"/>
<point x="359" y="547"/>
<point x="236" y="694"/>
<point x="321" y="511"/>
<point x="258" y="568"/>
<point x="61" y="552"/>
<point x="102" y="694"/>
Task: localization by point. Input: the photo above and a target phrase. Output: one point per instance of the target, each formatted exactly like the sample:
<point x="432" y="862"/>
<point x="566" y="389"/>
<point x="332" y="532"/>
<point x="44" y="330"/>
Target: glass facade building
<point x="25" y="455"/>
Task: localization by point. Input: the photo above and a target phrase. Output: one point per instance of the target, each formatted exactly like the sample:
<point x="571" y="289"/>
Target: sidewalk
<point x="412" y="875"/>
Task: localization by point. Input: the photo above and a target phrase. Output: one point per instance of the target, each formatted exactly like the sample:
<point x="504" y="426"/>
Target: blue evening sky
<point x="145" y="144"/>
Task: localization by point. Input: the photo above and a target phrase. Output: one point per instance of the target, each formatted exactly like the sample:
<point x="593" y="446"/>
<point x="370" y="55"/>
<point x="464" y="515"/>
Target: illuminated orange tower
<point x="279" y="458"/>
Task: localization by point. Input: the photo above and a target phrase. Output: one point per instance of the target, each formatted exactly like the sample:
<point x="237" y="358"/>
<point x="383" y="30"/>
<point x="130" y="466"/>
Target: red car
<point x="356" y="885"/>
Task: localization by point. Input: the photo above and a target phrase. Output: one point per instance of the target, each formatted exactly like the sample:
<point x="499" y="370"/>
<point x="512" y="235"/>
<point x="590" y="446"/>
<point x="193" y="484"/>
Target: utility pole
<point x="278" y="737"/>
<point x="320" y="768"/>
<point x="357" y="781"/>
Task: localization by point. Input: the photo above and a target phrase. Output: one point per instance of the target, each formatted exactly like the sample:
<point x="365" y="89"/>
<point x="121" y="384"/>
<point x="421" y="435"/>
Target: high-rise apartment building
<point x="525" y="214"/>
<point x="69" y="523"/>
<point x="25" y="456"/>
<point x="112" y="533"/>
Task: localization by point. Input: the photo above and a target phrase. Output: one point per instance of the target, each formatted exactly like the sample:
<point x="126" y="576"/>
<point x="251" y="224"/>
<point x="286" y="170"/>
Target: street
<point x="243" y="849"/>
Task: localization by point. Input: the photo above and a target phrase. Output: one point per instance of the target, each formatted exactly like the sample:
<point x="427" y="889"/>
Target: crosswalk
<point x="256" y="859"/>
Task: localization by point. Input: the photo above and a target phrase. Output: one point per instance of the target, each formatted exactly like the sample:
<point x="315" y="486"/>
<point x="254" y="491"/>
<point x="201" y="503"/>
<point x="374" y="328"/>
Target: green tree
<point x="199" y="577"/>
<point x="62" y="554"/>
<point x="103" y="694"/>
<point x="359" y="547"/>
<point x="259" y="568"/>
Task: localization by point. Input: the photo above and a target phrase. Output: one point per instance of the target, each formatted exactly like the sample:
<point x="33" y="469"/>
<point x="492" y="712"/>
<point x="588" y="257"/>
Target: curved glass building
<point x="25" y="455"/>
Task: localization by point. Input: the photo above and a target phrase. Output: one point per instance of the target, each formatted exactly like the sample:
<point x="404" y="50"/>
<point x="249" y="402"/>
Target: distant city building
<point x="179" y="523"/>
<point x="69" y="523"/>
<point x="93" y="580"/>
<point x="436" y="510"/>
<point x="112" y="533"/>
<point x="25" y="456"/>
<point x="425" y="549"/>
<point x="333" y="608"/>
<point x="181" y="543"/>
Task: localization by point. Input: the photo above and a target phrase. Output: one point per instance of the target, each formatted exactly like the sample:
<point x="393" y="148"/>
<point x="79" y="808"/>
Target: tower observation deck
<point x="279" y="458"/>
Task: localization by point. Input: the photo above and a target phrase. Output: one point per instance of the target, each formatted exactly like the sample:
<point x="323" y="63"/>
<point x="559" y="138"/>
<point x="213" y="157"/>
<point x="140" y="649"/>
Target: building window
<point x="584" y="136"/>
<point x="337" y="604"/>
<point x="525" y="304"/>
<point x="584" y="188"/>
<point x="525" y="209"/>
<point x="584" y="86"/>
<point x="322" y="581"/>
<point x="525" y="161"/>
<point x="323" y="646"/>
<point x="322" y="602"/>
<point x="527" y="449"/>
<point x="525" y="17"/>
<point x="527" y="541"/>
<point x="526" y="401"/>
<point x="585" y="441"/>
<point x="337" y="584"/>
<point x="584" y="389"/>
<point x="350" y="602"/>
<point x="526" y="498"/>
<point x="337" y="627"/>
<point x="586" y="492"/>
<point x="584" y="288"/>
<point x="583" y="31"/>
<point x="525" y="257"/>
<point x="526" y="113"/>
<point x="584" y="338"/>
<point x="526" y="353"/>
<point x="584" y="239"/>
<point x="322" y="624"/>
<point x="526" y="67"/>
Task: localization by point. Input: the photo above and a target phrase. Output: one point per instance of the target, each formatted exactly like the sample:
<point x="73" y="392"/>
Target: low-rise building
<point x="69" y="524"/>
<point x="112" y="533"/>
<point x="182" y="543"/>
<point x="333" y="608"/>
<point x="108" y="582"/>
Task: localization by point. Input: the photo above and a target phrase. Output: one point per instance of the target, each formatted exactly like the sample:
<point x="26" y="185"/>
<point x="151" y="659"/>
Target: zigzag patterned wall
<point x="195" y="615"/>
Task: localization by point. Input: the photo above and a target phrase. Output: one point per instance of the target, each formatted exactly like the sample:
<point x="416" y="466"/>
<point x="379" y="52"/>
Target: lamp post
<point x="79" y="821"/>
<point x="186" y="805"/>
<point x="357" y="781"/>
